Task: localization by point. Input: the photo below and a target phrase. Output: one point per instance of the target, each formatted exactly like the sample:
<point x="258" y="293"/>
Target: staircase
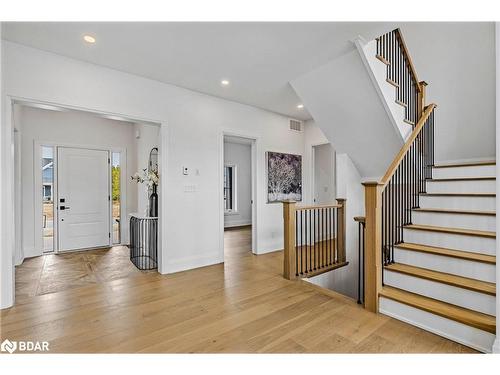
<point x="431" y="227"/>
<point x="442" y="277"/>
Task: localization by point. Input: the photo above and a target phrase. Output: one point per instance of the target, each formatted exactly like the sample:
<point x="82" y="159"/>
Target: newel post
<point x="341" y="230"/>
<point x="373" y="244"/>
<point x="421" y="99"/>
<point x="289" y="270"/>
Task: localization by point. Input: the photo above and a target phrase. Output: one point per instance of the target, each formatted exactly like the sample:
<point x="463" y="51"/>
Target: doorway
<point x="323" y="157"/>
<point x="238" y="172"/>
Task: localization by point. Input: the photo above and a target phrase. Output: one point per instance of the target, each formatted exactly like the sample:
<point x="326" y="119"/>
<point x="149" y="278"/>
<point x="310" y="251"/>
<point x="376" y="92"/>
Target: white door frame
<point x="8" y="191"/>
<point x="254" y="143"/>
<point x="313" y="169"/>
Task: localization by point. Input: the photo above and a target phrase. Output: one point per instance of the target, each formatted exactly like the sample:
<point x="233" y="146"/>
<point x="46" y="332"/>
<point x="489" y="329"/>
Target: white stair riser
<point x="443" y="292"/>
<point x="474" y="244"/>
<point x="478" y="222"/>
<point x="472" y="171"/>
<point x="458" y="203"/>
<point x="461" y="333"/>
<point x="471" y="186"/>
<point x="455" y="266"/>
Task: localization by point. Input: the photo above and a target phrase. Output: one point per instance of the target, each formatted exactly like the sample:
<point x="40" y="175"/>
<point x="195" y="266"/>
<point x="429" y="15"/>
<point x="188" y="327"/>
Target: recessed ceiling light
<point x="224" y="82"/>
<point x="300" y="106"/>
<point x="89" y="39"/>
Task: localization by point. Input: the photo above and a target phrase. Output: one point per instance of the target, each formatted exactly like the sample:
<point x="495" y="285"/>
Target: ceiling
<point x="259" y="59"/>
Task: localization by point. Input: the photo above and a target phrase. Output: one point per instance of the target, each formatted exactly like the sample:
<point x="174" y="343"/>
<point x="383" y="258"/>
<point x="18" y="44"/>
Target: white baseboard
<point x="31" y="252"/>
<point x="238" y="223"/>
<point x="188" y="263"/>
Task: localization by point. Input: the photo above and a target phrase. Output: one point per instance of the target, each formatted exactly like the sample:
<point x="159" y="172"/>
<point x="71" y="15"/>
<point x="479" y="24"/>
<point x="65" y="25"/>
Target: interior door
<point x="83" y="198"/>
<point x="324" y="174"/>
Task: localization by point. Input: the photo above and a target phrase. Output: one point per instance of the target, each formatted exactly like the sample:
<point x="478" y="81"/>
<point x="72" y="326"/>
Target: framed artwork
<point x="284" y="177"/>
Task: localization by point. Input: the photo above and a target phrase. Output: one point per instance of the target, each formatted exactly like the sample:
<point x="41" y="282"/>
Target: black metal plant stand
<point x="144" y="242"/>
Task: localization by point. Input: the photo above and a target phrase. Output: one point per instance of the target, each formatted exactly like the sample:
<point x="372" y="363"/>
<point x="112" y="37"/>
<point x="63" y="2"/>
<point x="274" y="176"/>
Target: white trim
<point x="254" y="147"/>
<point x="7" y="223"/>
<point x="241" y="223"/>
<point x="189" y="263"/>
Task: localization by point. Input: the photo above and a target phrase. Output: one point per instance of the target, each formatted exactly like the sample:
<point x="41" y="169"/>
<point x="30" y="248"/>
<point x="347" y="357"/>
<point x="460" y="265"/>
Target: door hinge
<point x="109" y="197"/>
<point x="109" y="161"/>
<point x="109" y="234"/>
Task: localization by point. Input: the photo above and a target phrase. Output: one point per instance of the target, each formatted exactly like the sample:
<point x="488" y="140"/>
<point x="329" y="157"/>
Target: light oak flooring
<point x="243" y="305"/>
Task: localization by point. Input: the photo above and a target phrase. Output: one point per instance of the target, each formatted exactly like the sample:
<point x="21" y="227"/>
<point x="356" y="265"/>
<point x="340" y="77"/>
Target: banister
<point x="399" y="35"/>
<point x="314" y="238"/>
<point x="312" y="207"/>
<point x="399" y="157"/>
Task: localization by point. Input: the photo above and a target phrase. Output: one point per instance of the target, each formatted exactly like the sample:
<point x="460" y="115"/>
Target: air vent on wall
<point x="295" y="125"/>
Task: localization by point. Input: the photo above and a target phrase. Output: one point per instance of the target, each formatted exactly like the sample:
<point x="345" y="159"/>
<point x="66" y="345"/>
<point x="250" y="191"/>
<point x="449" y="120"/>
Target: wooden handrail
<point x="298" y="208"/>
<point x="402" y="42"/>
<point x="399" y="157"/>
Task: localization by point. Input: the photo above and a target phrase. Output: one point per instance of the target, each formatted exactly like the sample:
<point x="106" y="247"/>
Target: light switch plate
<point x="185" y="171"/>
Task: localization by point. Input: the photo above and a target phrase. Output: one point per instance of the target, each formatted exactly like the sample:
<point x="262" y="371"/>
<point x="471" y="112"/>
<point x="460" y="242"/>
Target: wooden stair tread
<point x="445" y="278"/>
<point x="381" y="58"/>
<point x="401" y="103"/>
<point x="484" y="195"/>
<point x="472" y="164"/>
<point x="455" y="211"/>
<point x="395" y="84"/>
<point x="324" y="269"/>
<point x="462" y="231"/>
<point x="466" y="255"/>
<point x="459" y="314"/>
<point x="461" y="179"/>
<point x="408" y="122"/>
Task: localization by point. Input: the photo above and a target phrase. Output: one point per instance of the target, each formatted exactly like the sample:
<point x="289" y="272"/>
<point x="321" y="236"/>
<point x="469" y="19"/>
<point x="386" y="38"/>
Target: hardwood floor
<point x="243" y="305"/>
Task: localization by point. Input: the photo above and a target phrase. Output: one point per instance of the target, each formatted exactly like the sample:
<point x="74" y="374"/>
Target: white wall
<point x="193" y="125"/>
<point x="149" y="137"/>
<point x="458" y="62"/>
<point x="240" y="155"/>
<point x="67" y="128"/>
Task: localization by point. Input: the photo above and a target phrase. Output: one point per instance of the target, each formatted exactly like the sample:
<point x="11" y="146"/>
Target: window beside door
<point x="116" y="196"/>
<point x="48" y="198"/>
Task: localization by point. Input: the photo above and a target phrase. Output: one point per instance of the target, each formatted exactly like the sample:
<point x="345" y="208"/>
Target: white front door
<point x="83" y="198"/>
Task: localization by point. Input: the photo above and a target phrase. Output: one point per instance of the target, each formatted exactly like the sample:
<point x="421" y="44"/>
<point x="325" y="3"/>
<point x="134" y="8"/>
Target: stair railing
<point x="314" y="239"/>
<point x="361" y="258"/>
<point x="389" y="202"/>
<point x="401" y="73"/>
